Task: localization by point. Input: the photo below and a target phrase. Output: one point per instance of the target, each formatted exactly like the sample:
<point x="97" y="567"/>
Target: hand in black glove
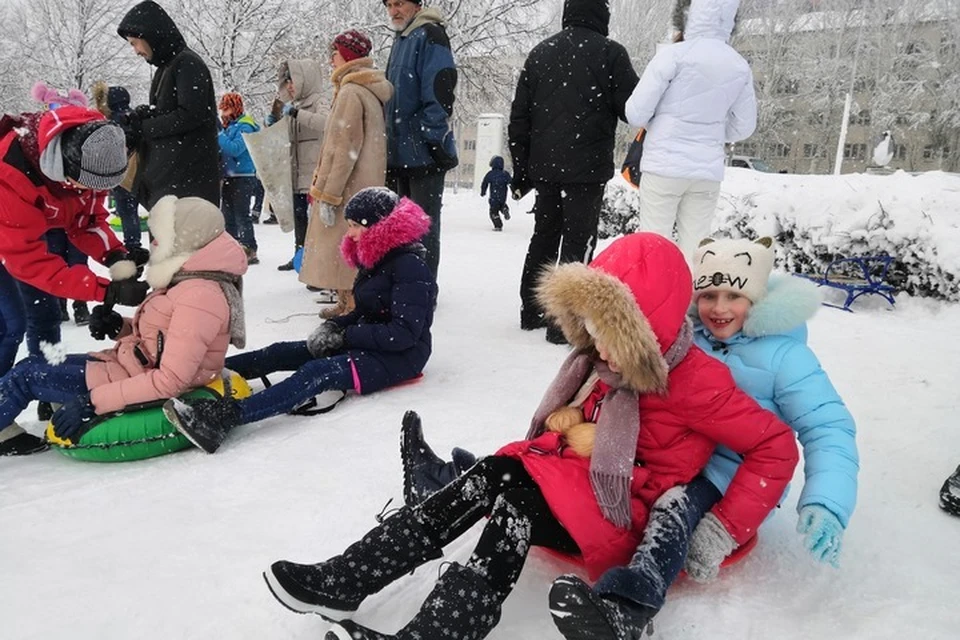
<point x="105" y="323"/>
<point x="443" y="159"/>
<point x="70" y="419"/>
<point x="519" y="187"/>
<point x="121" y="265"/>
<point x="132" y="126"/>
<point x="325" y="339"/>
<point x="127" y="293"/>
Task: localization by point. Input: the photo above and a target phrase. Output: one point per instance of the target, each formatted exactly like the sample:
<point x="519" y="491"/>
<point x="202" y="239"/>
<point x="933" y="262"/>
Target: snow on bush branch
<point x="815" y="219"/>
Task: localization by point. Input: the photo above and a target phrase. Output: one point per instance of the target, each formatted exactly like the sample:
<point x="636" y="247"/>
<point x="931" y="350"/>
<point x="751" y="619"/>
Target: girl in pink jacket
<point x="176" y="341"/>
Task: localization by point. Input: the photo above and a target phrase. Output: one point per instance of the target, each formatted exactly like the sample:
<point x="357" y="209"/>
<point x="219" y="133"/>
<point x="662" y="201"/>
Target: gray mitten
<point x="325" y="340"/>
<point x="328" y="214"/>
<point x="709" y="545"/>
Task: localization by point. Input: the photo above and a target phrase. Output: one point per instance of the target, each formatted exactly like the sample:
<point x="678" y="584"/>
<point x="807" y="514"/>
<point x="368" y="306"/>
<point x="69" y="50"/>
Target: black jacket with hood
<point x="178" y="149"/>
<point x="572" y="89"/>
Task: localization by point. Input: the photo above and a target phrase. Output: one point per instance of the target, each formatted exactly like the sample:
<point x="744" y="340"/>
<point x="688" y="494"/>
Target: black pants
<point x="496" y="208"/>
<point x="566" y="219"/>
<point x="519" y="518"/>
<point x="426" y="191"/>
<point x="301" y="218"/>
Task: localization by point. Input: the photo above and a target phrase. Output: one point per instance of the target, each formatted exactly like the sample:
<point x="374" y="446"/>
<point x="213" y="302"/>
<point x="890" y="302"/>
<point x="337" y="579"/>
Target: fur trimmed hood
<point x="635" y="294"/>
<point x="407" y="223"/>
<point x="361" y="72"/>
<point x="790" y="302"/>
<point x="181" y="227"/>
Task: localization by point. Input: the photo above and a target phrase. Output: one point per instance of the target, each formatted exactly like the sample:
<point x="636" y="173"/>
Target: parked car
<point x="750" y="162"/>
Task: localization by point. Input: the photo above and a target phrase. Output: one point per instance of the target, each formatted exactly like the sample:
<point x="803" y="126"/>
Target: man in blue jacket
<point x="420" y="144"/>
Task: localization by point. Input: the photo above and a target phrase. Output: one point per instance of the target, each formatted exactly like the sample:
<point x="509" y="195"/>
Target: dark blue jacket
<point x="233" y="149"/>
<point x="388" y="333"/>
<point x="498" y="180"/>
<point x="424" y="76"/>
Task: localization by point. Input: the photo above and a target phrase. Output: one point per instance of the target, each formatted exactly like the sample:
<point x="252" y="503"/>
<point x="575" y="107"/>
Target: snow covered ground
<point x="174" y="547"/>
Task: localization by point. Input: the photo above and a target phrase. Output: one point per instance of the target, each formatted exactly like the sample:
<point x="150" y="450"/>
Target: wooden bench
<point x="857" y="276"/>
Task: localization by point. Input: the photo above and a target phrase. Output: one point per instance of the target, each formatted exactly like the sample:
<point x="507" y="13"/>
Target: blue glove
<point x="70" y="419"/>
<point x="289" y="110"/>
<point x="823" y="533"/>
<point x="270" y="120"/>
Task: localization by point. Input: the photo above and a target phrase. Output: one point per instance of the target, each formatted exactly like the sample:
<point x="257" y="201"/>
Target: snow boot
<point x="335" y="588"/>
<point x="81" y="314"/>
<point x="424" y="472"/>
<point x="14" y="441"/>
<point x="950" y="494"/>
<point x="462" y="605"/>
<point x="555" y="335"/>
<point x="205" y="423"/>
<point x="581" y="614"/>
<point x="345" y="304"/>
<point x="64" y="316"/>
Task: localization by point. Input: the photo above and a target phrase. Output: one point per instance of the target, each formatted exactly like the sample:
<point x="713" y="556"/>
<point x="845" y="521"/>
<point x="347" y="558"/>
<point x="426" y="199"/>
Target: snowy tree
<point x="66" y="44"/>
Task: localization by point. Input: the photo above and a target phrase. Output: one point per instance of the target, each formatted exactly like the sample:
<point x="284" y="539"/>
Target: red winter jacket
<point x="31" y="204"/>
<point x="698" y="406"/>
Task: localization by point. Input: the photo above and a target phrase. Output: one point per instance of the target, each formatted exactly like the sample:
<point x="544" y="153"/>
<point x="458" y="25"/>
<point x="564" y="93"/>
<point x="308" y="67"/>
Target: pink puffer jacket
<point x="193" y="319"/>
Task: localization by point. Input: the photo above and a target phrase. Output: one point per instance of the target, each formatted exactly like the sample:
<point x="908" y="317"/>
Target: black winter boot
<point x="205" y="423"/>
<point x="424" y="472"/>
<point x="581" y="614"/>
<point x="44" y="411"/>
<point x="462" y="606"/>
<point x="335" y="588"/>
<point x="81" y="314"/>
<point x="950" y="494"/>
<point x="14" y="441"/>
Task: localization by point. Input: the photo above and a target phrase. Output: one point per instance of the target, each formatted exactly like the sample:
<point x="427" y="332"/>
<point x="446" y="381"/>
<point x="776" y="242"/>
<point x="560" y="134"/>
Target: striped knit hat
<point x="352" y="45"/>
<point x="95" y="154"/>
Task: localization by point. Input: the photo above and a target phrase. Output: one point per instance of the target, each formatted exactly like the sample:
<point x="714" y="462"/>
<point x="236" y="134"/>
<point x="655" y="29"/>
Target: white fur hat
<point x="742" y="266"/>
<point x="180" y="226"/>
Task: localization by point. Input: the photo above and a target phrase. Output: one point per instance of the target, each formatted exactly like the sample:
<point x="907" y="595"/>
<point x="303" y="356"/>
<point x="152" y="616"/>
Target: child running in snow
<point x="176" y="340"/>
<point x="634" y="410"/>
<point x="384" y="341"/>
<point x="758" y="329"/>
<point x="498" y="180"/>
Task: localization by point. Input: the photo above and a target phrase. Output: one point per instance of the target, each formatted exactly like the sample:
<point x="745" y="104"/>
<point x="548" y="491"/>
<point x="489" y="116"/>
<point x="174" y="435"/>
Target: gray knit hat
<point x="95" y="154"/>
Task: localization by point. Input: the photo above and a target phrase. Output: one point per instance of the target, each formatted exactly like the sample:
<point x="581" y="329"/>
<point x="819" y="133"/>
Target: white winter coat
<point x="694" y="96"/>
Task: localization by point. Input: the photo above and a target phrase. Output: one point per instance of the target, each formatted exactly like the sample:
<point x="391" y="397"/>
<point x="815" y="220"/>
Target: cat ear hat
<point x="741" y="266"/>
<point x="49" y="96"/>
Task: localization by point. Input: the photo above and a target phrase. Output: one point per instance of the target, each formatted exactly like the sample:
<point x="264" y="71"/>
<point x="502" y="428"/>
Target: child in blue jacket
<point x="499" y="181"/>
<point x="240" y="182"/>
<point x="756" y="325"/>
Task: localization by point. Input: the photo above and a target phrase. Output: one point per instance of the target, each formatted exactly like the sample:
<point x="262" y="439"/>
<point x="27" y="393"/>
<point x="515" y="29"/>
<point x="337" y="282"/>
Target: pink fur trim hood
<point x="406" y="223"/>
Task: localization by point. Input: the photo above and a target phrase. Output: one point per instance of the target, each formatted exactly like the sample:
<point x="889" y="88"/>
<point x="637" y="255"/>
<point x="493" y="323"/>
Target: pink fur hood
<point x="406" y="223"/>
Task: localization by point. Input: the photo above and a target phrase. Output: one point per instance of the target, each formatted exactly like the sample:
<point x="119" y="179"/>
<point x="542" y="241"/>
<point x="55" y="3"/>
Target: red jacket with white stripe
<point x="31" y="204"/>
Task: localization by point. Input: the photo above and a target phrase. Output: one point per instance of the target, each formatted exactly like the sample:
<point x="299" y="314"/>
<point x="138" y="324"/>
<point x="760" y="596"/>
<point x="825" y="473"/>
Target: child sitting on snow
<point x="498" y="180"/>
<point x="385" y="340"/>
<point x="758" y="329"/>
<point x="176" y="340"/>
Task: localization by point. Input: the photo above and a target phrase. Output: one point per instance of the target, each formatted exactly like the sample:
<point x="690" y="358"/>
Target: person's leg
<point x="35" y="379"/>
<point x="128" y="210"/>
<point x="428" y="193"/>
<point x="228" y="192"/>
<point x="301" y="209"/>
<point x="13" y="320"/>
<point x="543" y="250"/>
<point x="258" y="195"/>
<point x="695" y="215"/>
<point x="43" y="318"/>
<point x="312" y="378"/>
<point x="495" y="217"/>
<point x="279" y="356"/>
<point x="581" y="205"/>
<point x="659" y="202"/>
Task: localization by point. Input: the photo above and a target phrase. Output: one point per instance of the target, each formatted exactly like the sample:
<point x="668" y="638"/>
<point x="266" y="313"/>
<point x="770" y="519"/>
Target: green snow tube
<point x="139" y="432"/>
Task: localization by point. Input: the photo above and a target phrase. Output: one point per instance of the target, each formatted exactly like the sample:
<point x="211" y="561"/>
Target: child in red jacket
<point x="635" y="410"/>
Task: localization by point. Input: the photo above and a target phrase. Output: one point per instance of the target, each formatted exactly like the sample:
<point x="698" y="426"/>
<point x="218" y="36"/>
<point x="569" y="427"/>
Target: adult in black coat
<point x="572" y="90"/>
<point x="176" y="134"/>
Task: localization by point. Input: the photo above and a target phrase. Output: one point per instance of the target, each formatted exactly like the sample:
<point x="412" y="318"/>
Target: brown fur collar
<point x="573" y="293"/>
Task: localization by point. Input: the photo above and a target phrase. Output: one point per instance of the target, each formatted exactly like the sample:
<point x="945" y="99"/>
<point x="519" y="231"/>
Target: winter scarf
<point x="614" y="449"/>
<point x="232" y="287"/>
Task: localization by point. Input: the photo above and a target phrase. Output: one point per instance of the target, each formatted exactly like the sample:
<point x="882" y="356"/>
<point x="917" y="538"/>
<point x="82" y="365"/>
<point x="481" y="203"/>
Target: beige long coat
<point x="354" y="157"/>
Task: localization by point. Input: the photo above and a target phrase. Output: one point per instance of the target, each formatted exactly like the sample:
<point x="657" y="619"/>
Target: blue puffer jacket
<point x="770" y="361"/>
<point x="388" y="333"/>
<point x="497" y="180"/>
<point x="424" y="76"/>
<point x="233" y="150"/>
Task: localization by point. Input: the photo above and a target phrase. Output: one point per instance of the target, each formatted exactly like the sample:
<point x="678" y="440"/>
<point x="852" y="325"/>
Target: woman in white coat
<point x="695" y="95"/>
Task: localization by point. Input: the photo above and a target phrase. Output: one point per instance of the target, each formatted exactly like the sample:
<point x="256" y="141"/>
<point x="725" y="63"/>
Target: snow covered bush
<point x="816" y="219"/>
